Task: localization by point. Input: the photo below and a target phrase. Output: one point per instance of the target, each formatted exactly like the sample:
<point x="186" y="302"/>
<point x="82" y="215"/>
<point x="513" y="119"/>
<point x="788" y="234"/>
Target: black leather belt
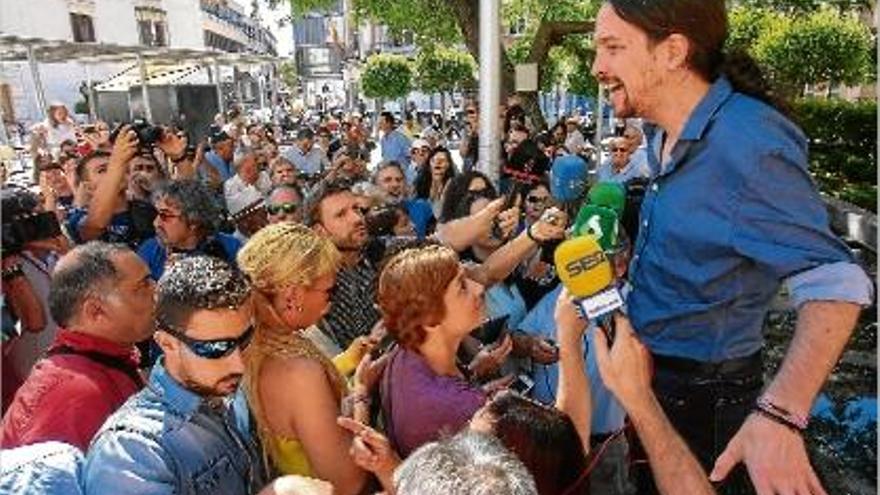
<point x="751" y="363"/>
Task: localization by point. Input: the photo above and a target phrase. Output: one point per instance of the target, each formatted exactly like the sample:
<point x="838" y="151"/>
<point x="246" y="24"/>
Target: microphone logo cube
<point x="601" y="304"/>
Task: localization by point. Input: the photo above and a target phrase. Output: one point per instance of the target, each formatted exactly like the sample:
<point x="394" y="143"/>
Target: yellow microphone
<point x="586" y="272"/>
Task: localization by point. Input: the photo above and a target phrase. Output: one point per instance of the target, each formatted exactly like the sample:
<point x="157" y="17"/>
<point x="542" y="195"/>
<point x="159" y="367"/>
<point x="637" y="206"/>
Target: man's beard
<point x="209" y="391"/>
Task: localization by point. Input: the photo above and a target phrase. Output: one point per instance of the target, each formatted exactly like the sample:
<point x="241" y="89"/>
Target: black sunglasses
<point x="213" y="349"/>
<point x="615" y="150"/>
<point x="282" y="208"/>
<point x="536" y="199"/>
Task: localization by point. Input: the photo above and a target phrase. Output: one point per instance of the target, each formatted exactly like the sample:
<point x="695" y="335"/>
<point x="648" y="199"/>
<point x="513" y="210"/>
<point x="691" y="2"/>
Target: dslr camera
<point x="147" y="134"/>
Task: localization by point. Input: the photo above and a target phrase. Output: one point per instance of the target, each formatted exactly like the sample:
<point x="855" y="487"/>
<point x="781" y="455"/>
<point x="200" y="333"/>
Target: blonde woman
<point x="293" y="390"/>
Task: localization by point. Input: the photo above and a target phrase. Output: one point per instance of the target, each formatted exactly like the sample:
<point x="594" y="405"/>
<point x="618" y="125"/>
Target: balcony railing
<point x="246" y="25"/>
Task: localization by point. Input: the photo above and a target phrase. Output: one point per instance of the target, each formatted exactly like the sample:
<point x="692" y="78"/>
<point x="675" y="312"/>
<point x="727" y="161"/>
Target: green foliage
<point x="431" y="21"/>
<point x="843" y="147"/>
<point x="443" y="69"/>
<point x="288" y="75"/>
<point x="387" y="76"/>
<point x="823" y="46"/>
<point x="300" y="7"/>
<point x="747" y="24"/>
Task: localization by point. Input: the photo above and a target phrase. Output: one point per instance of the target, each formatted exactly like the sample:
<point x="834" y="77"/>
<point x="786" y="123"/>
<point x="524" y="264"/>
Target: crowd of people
<point x="269" y="312"/>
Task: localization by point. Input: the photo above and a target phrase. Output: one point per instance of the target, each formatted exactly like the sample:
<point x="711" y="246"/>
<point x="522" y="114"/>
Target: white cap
<point x="244" y="202"/>
<point x="419" y="143"/>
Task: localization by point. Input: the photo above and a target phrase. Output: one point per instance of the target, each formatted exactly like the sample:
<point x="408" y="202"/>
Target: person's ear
<point x="167" y="343"/>
<point x="293" y="295"/>
<point x="92" y="309"/>
<point x="675" y="51"/>
<point x="320" y="229"/>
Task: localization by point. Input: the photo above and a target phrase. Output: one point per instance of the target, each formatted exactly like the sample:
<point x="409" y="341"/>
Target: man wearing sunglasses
<point x="187" y="222"/>
<point x="179" y="435"/>
<point x="284" y="204"/>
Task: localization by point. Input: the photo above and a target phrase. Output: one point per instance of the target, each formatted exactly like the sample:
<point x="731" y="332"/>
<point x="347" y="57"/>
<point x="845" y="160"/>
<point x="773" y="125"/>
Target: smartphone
<point x="523" y="384"/>
<point x="492" y="330"/>
<point x="382" y="347"/>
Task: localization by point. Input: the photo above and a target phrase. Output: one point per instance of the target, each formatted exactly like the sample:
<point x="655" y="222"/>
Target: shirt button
<point x="645" y="224"/>
<point x="654" y="187"/>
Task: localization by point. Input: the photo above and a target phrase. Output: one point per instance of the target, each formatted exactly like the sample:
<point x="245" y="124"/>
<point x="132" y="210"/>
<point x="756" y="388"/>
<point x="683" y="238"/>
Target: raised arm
<point x="505" y="259"/>
<point x="107" y="192"/>
<point x="574" y="387"/>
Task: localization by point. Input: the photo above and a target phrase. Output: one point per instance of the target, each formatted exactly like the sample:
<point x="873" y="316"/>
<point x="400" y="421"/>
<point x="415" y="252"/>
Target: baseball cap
<point x="419" y="143"/>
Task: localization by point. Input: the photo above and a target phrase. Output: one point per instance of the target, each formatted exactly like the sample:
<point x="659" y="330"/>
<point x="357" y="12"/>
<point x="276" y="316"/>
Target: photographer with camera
<point x="32" y="242"/>
<point x="111" y="216"/>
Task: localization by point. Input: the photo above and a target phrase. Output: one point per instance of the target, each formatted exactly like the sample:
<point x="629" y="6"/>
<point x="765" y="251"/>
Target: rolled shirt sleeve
<point x="782" y="225"/>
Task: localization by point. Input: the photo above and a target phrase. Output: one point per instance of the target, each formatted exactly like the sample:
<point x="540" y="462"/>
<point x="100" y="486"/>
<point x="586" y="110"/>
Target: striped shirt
<point x="352" y="305"/>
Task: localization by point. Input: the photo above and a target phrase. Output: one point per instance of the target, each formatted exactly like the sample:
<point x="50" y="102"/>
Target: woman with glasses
<point x="294" y="391"/>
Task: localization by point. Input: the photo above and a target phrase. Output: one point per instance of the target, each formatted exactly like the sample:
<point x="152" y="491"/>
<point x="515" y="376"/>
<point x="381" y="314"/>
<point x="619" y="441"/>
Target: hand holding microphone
<point x="588" y="276"/>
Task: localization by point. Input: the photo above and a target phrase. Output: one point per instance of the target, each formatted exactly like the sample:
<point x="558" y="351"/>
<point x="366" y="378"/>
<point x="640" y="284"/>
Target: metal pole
<point x="490" y="88"/>
<point x="220" y="106"/>
<point x="236" y="78"/>
<point x="38" y="83"/>
<point x="600" y="102"/>
<point x="262" y="87"/>
<point x="275" y="100"/>
<point x="145" y="95"/>
<point x="93" y="113"/>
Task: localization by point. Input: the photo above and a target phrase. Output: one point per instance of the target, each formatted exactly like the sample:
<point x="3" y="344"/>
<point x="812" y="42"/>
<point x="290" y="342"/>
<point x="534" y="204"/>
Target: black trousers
<point x="706" y="403"/>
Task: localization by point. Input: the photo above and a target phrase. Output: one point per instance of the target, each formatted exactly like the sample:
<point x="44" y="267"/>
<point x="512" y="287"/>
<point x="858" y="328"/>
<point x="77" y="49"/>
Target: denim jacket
<point x="167" y="439"/>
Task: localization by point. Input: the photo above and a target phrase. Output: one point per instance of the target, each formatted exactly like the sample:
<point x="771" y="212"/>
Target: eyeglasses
<point x="618" y="150"/>
<point x="213" y="349"/>
<point x="280" y="208"/>
<point x="537" y="199"/>
<point x="471" y="111"/>
<point x="166" y="215"/>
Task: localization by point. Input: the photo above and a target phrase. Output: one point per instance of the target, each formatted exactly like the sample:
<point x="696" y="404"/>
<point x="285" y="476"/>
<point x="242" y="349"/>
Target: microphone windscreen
<point x="598" y="222"/>
<point x="582" y="266"/>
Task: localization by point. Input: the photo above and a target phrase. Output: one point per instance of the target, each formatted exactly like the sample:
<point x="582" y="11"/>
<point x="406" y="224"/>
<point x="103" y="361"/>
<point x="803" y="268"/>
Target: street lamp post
<point x="490" y="88"/>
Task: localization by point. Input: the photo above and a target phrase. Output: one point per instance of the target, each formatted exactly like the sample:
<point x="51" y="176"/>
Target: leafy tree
<point x="386" y="76"/>
<point x="440" y="70"/>
<point x="821" y="47"/>
<point x="747" y="24"/>
<point x="288" y="74"/>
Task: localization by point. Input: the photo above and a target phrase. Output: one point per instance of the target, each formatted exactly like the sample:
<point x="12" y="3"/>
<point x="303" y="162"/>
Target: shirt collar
<point x="693" y="130"/>
<point x="706" y="109"/>
<point x="174" y="395"/>
<point x="88" y="342"/>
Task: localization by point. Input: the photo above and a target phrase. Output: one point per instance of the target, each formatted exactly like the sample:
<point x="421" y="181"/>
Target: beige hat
<point x="244" y="203"/>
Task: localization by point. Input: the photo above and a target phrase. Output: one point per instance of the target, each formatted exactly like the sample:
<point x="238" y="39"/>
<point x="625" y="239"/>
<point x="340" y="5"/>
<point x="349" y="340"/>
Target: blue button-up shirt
<point x="225" y="168"/>
<point x="168" y="439"/>
<point x="728" y="217"/>
<point x="395" y="146"/>
<point x="49" y="468"/>
<point x="607" y="415"/>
